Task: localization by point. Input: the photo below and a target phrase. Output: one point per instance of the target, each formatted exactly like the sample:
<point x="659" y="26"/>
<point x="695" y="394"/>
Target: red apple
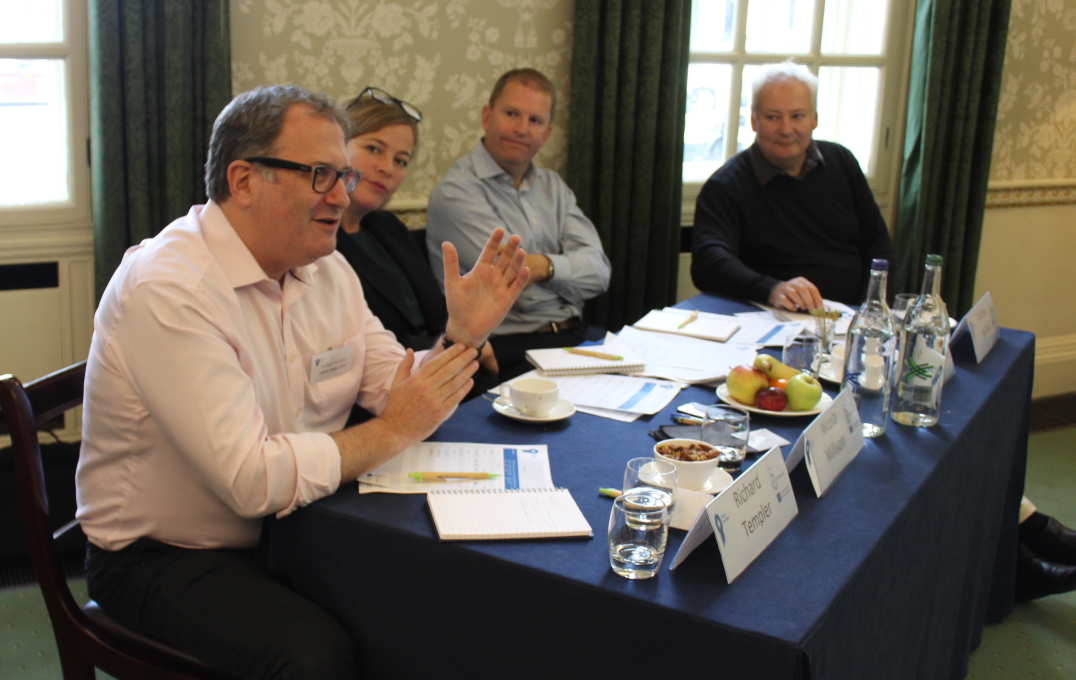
<point x="771" y="399"/>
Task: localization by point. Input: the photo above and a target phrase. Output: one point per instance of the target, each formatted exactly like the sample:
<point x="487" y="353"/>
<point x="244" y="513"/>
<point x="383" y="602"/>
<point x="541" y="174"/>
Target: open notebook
<point x="704" y="325"/>
<point x="492" y="514"/>
<point x="583" y="360"/>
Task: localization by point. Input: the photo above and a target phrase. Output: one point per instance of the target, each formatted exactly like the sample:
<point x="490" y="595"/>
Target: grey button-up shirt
<point x="476" y="196"/>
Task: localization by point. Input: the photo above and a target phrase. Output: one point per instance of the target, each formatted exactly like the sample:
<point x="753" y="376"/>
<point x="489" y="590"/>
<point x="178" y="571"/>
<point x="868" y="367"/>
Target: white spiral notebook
<point x="584" y="360"/>
<point x="493" y="514"/>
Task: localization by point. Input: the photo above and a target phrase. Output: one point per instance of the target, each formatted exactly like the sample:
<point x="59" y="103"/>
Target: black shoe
<point x="1036" y="577"/>
<point x="1049" y="539"/>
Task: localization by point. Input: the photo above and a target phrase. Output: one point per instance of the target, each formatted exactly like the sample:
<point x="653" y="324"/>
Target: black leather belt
<point x="570" y="324"/>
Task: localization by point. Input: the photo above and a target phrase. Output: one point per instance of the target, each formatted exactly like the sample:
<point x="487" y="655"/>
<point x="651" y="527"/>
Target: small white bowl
<point x="690" y="474"/>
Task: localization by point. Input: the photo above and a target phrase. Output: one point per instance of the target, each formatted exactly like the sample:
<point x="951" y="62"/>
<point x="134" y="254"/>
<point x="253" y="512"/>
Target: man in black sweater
<point x="790" y="220"/>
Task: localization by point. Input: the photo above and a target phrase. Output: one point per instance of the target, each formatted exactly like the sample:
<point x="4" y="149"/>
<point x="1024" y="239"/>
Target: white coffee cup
<point x="533" y="396"/>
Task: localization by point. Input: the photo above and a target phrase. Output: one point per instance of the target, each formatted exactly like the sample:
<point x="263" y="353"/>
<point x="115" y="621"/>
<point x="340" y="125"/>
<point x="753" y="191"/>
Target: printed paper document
<point x="515" y="467"/>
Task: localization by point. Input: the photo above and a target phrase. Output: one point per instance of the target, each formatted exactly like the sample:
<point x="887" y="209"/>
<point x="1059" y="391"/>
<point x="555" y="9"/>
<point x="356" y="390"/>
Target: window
<point x="857" y="48"/>
<point x="44" y="177"/>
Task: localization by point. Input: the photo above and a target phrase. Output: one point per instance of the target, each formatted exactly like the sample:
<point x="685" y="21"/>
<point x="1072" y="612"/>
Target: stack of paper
<point x="619" y="397"/>
<point x="684" y="359"/>
<point x="765" y="330"/>
<point x="840" y="327"/>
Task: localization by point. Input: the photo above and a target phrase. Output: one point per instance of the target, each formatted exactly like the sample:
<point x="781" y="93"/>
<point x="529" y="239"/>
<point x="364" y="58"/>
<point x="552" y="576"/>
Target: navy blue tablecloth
<point x="891" y="575"/>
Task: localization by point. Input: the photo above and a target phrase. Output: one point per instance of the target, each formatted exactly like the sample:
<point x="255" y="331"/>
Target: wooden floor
<point x="1052" y="412"/>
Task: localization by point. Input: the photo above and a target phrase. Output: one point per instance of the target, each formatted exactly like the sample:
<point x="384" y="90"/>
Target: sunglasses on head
<point x="386" y="98"/>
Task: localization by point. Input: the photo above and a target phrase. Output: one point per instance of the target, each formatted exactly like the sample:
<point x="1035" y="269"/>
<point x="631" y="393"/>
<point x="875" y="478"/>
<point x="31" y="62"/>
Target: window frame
<point x="74" y="212"/>
<point x="890" y="112"/>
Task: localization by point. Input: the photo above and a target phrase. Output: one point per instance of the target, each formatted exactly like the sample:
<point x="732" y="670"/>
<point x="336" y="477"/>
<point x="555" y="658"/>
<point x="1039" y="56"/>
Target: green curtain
<point x="626" y="137"/>
<point x="159" y="73"/>
<point x="957" y="55"/>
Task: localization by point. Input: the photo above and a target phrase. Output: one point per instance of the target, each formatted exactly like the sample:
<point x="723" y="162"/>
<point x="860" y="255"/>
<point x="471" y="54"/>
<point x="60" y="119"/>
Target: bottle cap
<point x="934" y="259"/>
<point x="880" y="264"/>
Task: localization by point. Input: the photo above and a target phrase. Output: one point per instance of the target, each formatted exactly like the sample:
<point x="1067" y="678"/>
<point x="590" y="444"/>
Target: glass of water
<point x="803" y="353"/>
<point x="727" y="430"/>
<point x="902" y="302"/>
<point x="651" y="476"/>
<point x="638" y="531"/>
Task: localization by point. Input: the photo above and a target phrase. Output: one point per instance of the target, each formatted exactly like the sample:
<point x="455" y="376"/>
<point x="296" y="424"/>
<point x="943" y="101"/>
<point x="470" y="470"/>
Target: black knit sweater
<point x="824" y="226"/>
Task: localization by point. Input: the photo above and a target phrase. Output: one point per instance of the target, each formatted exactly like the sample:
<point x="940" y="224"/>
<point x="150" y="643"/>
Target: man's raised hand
<point x="478" y="301"/>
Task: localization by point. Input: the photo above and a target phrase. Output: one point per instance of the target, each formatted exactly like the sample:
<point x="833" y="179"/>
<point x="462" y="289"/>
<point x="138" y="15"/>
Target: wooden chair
<point x="85" y="636"/>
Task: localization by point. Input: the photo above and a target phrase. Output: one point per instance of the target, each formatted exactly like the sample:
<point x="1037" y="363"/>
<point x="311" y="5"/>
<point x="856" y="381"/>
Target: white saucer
<point x="716" y="482"/>
<point x="822" y="405"/>
<point x="830" y="372"/>
<point x="563" y="409"/>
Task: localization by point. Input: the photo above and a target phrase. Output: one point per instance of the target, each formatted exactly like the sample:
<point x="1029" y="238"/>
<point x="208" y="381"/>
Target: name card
<point x="746" y="517"/>
<point x="981" y="322"/>
<point x="830" y="442"/>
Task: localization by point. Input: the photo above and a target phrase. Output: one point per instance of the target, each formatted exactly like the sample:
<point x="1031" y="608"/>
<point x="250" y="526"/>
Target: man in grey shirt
<point x="498" y="185"/>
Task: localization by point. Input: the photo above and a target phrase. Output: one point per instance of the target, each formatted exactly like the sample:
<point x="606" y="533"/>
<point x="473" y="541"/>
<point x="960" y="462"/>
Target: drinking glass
<point x="803" y="353"/>
<point x="652" y="477"/>
<point x="727" y="430"/>
<point x="823" y="328"/>
<point x="638" y="531"/>
<point x="902" y="302"/>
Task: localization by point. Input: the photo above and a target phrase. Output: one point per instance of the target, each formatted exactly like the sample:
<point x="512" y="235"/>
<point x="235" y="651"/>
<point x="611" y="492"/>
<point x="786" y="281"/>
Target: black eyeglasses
<point x="324" y="178"/>
<point x="386" y="98"/>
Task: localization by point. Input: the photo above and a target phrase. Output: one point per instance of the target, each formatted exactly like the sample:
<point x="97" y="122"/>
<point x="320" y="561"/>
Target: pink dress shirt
<point x="202" y="410"/>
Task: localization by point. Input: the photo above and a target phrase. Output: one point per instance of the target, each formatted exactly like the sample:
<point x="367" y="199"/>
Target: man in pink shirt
<point x="227" y="353"/>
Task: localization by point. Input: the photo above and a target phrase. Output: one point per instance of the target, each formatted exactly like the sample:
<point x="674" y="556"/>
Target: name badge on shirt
<point x="331" y="363"/>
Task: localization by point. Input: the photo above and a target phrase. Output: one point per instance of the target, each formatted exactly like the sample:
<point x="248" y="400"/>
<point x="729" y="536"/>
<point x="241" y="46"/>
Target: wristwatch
<point x="447" y="342"/>
<point x="552" y="268"/>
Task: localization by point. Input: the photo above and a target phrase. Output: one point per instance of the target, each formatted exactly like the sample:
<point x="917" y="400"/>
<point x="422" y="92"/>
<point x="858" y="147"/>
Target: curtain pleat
<point x="957" y="57"/>
<point x="159" y="74"/>
<point x="628" y="94"/>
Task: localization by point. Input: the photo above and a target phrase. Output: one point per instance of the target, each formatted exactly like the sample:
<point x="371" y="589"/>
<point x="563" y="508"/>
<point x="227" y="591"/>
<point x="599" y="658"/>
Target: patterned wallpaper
<point x="1036" y="131"/>
<point x="441" y="55"/>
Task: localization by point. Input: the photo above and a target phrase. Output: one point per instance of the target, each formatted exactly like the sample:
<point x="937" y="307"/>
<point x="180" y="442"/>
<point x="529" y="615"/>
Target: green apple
<point x="804" y="391"/>
<point x="744" y="382"/>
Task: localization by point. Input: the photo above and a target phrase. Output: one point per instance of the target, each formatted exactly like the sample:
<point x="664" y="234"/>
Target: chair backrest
<point x="84" y="642"/>
<point x="26" y="410"/>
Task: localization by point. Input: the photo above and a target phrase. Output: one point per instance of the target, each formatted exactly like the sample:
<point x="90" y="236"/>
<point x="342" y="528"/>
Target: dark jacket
<point x="398" y="285"/>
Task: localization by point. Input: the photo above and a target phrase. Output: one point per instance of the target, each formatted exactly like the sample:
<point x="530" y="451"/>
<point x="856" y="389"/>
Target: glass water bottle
<point x="868" y="356"/>
<point x="924" y="345"/>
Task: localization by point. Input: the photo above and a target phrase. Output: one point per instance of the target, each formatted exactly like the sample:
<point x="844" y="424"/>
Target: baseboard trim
<point x="1048" y="413"/>
<point x="1055" y="349"/>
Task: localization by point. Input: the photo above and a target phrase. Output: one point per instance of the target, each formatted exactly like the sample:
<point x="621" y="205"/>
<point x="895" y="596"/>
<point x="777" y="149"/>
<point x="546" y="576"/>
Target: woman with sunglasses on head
<point x="396" y="278"/>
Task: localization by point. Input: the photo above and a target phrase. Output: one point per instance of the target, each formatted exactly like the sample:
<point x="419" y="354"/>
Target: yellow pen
<point x="445" y="476"/>
<point x="592" y="353"/>
<point x="694" y="315"/>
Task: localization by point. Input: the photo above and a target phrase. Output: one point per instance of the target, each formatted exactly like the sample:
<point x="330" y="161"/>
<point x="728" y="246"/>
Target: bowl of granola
<point x="695" y="460"/>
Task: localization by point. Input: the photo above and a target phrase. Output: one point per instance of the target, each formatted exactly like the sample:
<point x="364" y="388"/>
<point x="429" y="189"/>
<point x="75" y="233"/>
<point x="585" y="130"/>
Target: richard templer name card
<point x="746" y="517"/>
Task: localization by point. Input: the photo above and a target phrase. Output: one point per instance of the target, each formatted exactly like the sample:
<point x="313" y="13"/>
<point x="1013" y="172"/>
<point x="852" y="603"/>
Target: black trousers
<point x="220" y="606"/>
<point x="510" y="349"/>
